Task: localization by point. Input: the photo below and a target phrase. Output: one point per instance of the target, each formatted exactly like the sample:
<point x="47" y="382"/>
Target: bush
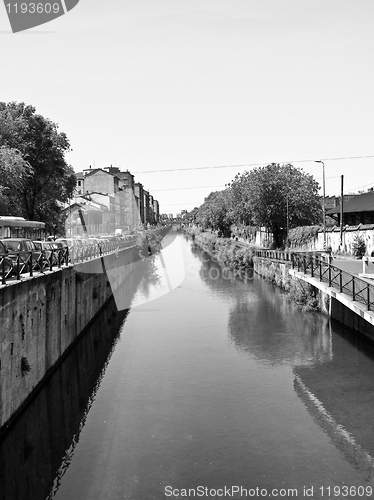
<point x="303" y="235"/>
<point x="359" y="246"/>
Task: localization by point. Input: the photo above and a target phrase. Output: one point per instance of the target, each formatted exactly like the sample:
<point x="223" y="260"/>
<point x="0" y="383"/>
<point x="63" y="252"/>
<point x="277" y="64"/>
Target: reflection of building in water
<point x="339" y="395"/>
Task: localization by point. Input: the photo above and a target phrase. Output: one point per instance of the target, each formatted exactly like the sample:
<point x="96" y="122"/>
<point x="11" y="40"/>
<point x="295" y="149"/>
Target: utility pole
<point x="323" y="202"/>
<point x="341" y="212"/>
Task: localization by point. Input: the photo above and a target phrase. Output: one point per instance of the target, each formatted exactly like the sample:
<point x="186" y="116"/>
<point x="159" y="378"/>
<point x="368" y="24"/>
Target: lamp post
<point x="323" y="202"/>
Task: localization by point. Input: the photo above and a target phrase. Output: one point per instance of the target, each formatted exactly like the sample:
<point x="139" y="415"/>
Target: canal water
<point x="207" y="387"/>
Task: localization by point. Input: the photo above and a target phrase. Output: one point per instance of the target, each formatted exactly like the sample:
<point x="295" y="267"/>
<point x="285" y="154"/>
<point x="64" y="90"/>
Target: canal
<point x="207" y="387"/>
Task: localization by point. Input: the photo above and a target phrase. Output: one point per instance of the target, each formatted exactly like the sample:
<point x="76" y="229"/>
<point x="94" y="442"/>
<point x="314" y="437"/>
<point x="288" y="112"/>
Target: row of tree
<point x="35" y="179"/>
<point x="277" y="197"/>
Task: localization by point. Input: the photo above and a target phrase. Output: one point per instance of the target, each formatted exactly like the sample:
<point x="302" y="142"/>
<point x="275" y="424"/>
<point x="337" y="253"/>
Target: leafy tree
<point x="14" y="173"/>
<point x="191" y="216"/>
<point x="240" y="206"/>
<point x="275" y="195"/>
<point x="216" y="211"/>
<point x="51" y="181"/>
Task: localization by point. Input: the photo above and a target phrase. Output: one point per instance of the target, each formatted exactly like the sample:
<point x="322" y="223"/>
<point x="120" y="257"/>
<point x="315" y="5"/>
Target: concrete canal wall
<point x="32" y="447"/>
<point x="301" y="292"/>
<point x="313" y="294"/>
<point x="342" y="308"/>
<point x="42" y="316"/>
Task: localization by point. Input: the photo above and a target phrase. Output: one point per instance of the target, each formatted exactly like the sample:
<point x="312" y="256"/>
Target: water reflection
<point x="47" y="431"/>
<point x="275" y="331"/>
<point x="150" y="277"/>
<point x="333" y="367"/>
<point x="202" y="390"/>
<point x="340" y="397"/>
<point x="263" y="323"/>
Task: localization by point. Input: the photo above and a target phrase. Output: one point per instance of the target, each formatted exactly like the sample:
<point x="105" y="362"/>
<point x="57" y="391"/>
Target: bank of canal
<point x="218" y="383"/>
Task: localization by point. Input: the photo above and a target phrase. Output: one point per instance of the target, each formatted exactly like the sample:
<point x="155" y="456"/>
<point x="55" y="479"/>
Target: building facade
<point x="122" y="202"/>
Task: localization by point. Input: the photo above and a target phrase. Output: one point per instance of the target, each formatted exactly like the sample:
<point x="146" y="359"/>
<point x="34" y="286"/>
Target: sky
<point x="166" y="88"/>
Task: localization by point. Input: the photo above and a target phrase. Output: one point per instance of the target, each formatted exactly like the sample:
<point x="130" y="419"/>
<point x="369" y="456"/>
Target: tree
<point x="216" y="211"/>
<point x="191" y="216"/>
<point x="51" y="181"/>
<point x="14" y="173"/>
<point x="278" y="196"/>
<point x="240" y="205"/>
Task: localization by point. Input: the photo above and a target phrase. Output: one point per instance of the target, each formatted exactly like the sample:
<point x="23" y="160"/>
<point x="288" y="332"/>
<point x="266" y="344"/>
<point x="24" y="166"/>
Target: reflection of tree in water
<point x="275" y="331"/>
<point x="153" y="241"/>
<point x="150" y="276"/>
<point x="212" y="274"/>
<point x="195" y="250"/>
<point x="151" y="246"/>
<point x="264" y="323"/>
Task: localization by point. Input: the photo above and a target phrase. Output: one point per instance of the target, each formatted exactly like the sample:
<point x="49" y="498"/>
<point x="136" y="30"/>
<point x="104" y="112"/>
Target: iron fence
<point x="317" y="267"/>
<point x="14" y="266"/>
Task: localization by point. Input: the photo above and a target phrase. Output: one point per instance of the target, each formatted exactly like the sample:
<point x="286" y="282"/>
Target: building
<point x="147" y="214"/>
<point x="110" y="181"/>
<point x="139" y="195"/>
<point x="127" y="186"/>
<point x="79" y="188"/>
<point x="156" y="211"/>
<point x="86" y="218"/>
<point x="359" y="209"/>
<point x="128" y="205"/>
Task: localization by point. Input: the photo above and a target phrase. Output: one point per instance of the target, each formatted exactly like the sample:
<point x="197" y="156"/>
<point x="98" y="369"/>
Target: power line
<point x="347" y="191"/>
<point x="189" y="187"/>
<point x="196" y="203"/>
<point x="250" y="164"/>
<point x="220" y="185"/>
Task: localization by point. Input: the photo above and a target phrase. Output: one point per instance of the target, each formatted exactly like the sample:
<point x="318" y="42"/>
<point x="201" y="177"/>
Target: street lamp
<point x="323" y="202"/>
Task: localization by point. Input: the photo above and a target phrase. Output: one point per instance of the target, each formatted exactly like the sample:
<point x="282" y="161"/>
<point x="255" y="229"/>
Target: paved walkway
<point x="353" y="266"/>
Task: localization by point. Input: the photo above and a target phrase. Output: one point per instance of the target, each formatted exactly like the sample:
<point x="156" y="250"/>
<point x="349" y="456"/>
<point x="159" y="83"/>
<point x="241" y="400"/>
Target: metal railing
<point x="322" y="269"/>
<point x="15" y="265"/>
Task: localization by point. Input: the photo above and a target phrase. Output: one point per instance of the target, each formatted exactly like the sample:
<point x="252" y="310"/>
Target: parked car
<point x="19" y="251"/>
<point x="5" y="262"/>
<point x="48" y="250"/>
<point x="69" y="242"/>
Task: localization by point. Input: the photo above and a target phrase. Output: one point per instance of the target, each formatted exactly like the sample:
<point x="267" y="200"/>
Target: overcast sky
<point x="177" y="84"/>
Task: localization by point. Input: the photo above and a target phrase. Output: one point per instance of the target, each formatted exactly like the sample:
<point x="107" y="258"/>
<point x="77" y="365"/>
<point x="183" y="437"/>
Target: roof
<point x="97" y="170"/>
<point x="361" y="203"/>
<point x="85" y="207"/>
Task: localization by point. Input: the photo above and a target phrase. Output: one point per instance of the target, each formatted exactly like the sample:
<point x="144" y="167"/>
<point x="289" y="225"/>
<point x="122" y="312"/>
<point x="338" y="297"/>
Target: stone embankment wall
<point x="42" y="316"/>
<point x="299" y="291"/>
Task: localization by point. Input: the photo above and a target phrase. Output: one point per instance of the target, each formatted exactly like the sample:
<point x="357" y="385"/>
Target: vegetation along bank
<point x="240" y="259"/>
